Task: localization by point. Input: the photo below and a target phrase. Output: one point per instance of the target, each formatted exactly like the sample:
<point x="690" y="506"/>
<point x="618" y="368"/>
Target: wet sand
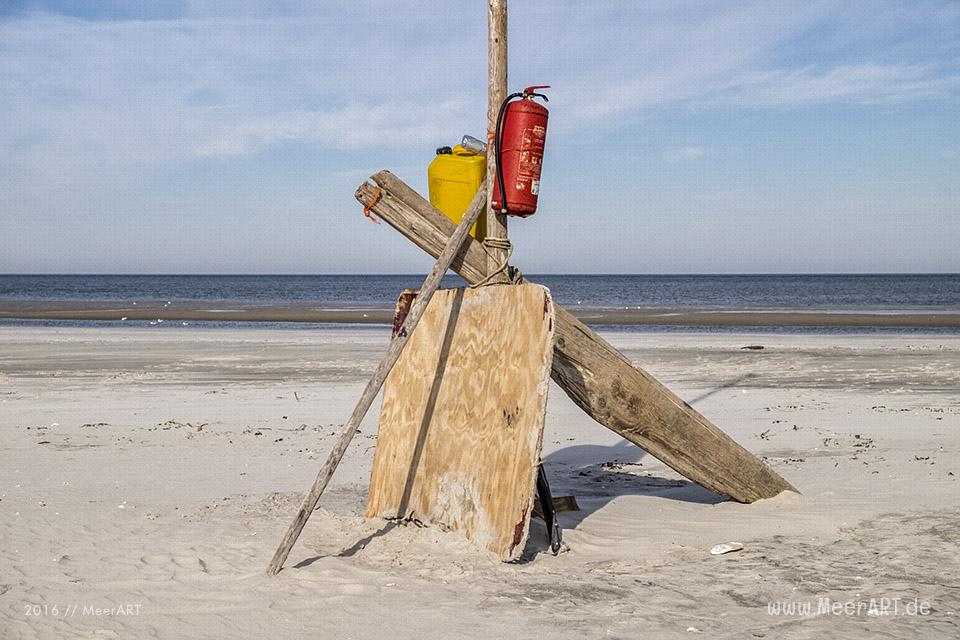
<point x="152" y="311"/>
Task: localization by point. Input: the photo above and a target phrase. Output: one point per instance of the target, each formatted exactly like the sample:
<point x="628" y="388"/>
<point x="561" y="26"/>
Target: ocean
<point x="830" y="294"/>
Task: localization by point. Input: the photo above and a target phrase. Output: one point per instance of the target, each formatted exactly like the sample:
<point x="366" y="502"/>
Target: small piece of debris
<point x="726" y="547"/>
<point x="752" y="347"/>
<point x="616" y="465"/>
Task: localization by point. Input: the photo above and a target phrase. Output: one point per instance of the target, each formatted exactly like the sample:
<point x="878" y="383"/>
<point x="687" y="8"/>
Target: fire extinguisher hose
<point x="497" y="139"/>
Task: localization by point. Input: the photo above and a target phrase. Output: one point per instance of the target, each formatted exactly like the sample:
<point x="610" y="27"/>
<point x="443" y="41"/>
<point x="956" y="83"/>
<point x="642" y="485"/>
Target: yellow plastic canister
<point x="453" y="180"/>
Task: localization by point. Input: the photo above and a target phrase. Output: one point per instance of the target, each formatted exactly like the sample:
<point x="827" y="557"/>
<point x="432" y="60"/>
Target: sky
<point x="684" y="137"/>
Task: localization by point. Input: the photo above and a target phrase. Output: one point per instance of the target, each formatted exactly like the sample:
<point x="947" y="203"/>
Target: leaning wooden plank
<point x="462" y="416"/>
<point x="596" y="376"/>
<point x="397" y="344"/>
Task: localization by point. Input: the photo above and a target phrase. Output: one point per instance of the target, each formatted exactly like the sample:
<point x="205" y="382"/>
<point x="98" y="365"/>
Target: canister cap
<point x="444" y="151"/>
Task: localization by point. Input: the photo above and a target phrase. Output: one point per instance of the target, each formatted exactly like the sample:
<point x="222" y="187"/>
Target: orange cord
<point x="368" y="210"/>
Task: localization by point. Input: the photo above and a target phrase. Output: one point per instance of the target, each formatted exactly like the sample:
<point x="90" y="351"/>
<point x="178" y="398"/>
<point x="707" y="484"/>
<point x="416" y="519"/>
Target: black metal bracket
<point x="549" y="511"/>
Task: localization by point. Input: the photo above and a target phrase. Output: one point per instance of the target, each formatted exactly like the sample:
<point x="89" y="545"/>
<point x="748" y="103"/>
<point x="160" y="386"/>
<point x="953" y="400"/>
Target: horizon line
<point x="532" y="273"/>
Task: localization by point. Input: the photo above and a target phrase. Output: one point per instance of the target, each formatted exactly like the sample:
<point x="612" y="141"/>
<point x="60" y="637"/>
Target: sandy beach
<point x="148" y="475"/>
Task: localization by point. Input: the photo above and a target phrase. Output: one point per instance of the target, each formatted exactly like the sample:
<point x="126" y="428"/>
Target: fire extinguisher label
<point x="535" y="187"/>
<point x="531" y="152"/>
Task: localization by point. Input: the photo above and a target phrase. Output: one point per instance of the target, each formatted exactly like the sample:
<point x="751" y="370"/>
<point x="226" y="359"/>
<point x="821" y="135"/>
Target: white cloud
<point x="688" y="154"/>
<point x="362" y="75"/>
<point x="390" y="124"/>
<point x="860" y="84"/>
<point x="94" y="105"/>
<point x="747" y="54"/>
<point x="93" y="110"/>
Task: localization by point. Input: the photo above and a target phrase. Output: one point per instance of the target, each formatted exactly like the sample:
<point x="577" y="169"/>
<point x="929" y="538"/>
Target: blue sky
<point x="685" y="137"/>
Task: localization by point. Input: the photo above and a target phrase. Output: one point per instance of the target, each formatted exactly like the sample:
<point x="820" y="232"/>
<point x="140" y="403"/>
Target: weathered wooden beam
<point x="596" y="376"/>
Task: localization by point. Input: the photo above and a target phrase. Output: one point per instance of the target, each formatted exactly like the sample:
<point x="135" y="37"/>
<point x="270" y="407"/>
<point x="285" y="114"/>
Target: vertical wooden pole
<point x="496" y="92"/>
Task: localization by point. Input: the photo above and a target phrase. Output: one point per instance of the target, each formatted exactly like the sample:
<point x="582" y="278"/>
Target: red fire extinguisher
<point x="519" y="138"/>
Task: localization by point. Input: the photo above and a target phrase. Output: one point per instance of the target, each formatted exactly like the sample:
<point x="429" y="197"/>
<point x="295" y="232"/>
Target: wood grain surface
<point x="462" y="417"/>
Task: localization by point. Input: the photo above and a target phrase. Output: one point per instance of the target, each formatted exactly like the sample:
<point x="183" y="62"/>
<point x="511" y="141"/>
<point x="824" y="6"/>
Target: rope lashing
<point x="368" y="210"/>
<point x="496" y="243"/>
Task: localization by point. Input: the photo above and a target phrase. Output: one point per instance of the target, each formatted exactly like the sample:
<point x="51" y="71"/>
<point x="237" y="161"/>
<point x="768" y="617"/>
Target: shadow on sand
<point x="726" y="385"/>
<point x="597" y="474"/>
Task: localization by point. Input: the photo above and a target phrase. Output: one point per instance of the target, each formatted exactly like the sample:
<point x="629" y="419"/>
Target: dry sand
<point x="148" y="475"/>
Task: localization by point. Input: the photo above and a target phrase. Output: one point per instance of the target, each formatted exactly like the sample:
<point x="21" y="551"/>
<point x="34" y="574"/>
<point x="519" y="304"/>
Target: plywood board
<point x="461" y="421"/>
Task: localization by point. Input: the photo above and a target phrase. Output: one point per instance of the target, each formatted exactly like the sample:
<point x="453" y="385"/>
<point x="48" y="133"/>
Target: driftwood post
<point x="606" y="385"/>
<point x="430" y="285"/>
<point x="496" y="92"/>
